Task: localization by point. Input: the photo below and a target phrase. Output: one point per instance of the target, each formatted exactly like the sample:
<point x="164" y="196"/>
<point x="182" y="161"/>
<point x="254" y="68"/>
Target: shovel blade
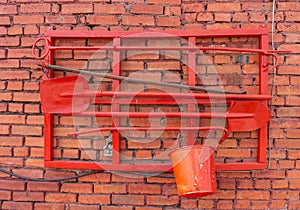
<point x="260" y="111"/>
<point x="52" y="102"/>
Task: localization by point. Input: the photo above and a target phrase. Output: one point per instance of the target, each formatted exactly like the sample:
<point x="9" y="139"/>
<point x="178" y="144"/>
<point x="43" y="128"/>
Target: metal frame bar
<point x="50" y="35"/>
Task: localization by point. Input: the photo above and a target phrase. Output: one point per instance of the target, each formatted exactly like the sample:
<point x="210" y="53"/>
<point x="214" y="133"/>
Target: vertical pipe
<point x="263" y="89"/>
<point x="191" y="82"/>
<point x="116" y="68"/>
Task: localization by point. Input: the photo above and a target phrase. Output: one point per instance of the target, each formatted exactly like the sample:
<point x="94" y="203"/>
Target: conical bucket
<point x="194" y="171"/>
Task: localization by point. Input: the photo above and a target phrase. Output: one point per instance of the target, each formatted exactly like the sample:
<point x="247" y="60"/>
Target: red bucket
<point x="194" y="171"/>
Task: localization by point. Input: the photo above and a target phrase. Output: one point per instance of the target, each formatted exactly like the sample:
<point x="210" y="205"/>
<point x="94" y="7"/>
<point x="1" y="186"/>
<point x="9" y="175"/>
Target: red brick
<point x="293" y="154"/>
<point x="280" y="184"/>
<point x="148" y="208"/>
<point x="168" y="21"/>
<point x="12" y="119"/>
<point x="110" y="189"/>
<point x="138" y="20"/>
<point x="76" y="8"/>
<point x="288" y="112"/>
<point x="11" y="141"/>
<point x="15" y="30"/>
<point x="27" y="130"/>
<point x="271" y="174"/>
<point x="256" y="6"/>
<point x="126" y="178"/>
<point x="26" y="97"/>
<point x="223" y="17"/>
<point x="9" y="41"/>
<point x="287" y="144"/>
<point x="262" y="184"/>
<point x="14" y="85"/>
<point x="278" y="204"/>
<point x="94" y="199"/>
<point x="32" y="173"/>
<point x="12" y="63"/>
<point x="12" y="185"/>
<point x="4" y="21"/>
<point x="253" y="195"/>
<point x="196" y="7"/>
<point x="21" y="152"/>
<point x="144" y="189"/>
<point x="76" y="188"/>
<point x="100" y="177"/>
<point x="28" y="19"/>
<point x="162" y="200"/>
<point x="240" y="17"/>
<point x="283" y="194"/>
<point x="31" y="29"/>
<point x="164" y="1"/>
<point x="85" y="207"/>
<point x="146" y="9"/>
<point x="43" y="186"/>
<point x="102" y="20"/>
<point x="242" y="204"/>
<point x="8" y="9"/>
<point x="224" y="7"/>
<point x="5" y="195"/>
<point x="288" y="6"/>
<point x="34" y="162"/>
<point x="5" y="128"/>
<point x="223" y="204"/>
<point x="292" y="70"/>
<point x="35" y="8"/>
<point x="28" y="196"/>
<point x="16" y="205"/>
<point x="144" y="145"/>
<point x="60" y="197"/>
<point x="13" y="161"/>
<point x="118" y="207"/>
<point x="172" y="10"/>
<point x="49" y="206"/>
<point x="109" y="8"/>
<point x="5" y="151"/>
<point x="128" y="199"/>
<point x="55" y="19"/>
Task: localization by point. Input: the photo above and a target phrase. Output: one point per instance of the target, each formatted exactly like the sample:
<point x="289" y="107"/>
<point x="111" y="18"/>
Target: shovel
<point x="241" y="116"/>
<point x="72" y="95"/>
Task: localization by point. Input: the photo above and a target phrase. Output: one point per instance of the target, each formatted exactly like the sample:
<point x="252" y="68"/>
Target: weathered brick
<point x="94" y="199"/>
<point x="102" y="20"/>
<point x="224" y="7"/>
<point x="77" y="8"/>
<point x="8" y="9"/>
<point x="35" y="8"/>
<point x="28" y="19"/>
<point x="16" y="205"/>
<point x="128" y="199"/>
<point x="109" y="9"/>
<point x="138" y="20"/>
<point x="168" y="21"/>
<point x="49" y="206"/>
<point x="28" y="196"/>
<point x="60" y="197"/>
<point x="146" y="9"/>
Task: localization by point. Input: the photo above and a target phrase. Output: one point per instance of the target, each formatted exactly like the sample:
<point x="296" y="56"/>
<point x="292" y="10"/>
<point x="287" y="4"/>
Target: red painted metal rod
<point x="224" y="137"/>
<point x="144" y="48"/>
<point x="167" y="114"/>
<point x="165" y="95"/>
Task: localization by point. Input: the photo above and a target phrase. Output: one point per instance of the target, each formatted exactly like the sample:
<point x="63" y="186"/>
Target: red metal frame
<point x="51" y="35"/>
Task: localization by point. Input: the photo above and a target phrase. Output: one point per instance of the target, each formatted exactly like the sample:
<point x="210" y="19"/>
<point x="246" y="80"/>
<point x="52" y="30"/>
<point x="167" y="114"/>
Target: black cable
<point x="78" y="176"/>
<point x="46" y="180"/>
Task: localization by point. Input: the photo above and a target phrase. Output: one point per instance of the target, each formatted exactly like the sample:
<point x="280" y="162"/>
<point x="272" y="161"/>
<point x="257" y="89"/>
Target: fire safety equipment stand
<point x="51" y="35"/>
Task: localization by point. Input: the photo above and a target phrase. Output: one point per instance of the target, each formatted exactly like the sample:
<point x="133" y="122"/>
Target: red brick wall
<point x="21" y="120"/>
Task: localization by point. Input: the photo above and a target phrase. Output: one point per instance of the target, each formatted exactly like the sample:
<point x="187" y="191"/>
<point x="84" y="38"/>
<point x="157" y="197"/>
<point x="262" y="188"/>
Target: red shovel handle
<point x="225" y="135"/>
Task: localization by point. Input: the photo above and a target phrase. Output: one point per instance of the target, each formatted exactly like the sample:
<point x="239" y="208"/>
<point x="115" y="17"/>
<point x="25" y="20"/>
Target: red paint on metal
<point x="263" y="51"/>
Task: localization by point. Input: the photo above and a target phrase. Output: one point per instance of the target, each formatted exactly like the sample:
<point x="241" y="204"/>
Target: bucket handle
<point x="225" y="135"/>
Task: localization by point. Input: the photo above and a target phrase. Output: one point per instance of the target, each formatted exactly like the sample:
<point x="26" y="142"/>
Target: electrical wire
<point x="80" y="175"/>
<point x="274" y="77"/>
